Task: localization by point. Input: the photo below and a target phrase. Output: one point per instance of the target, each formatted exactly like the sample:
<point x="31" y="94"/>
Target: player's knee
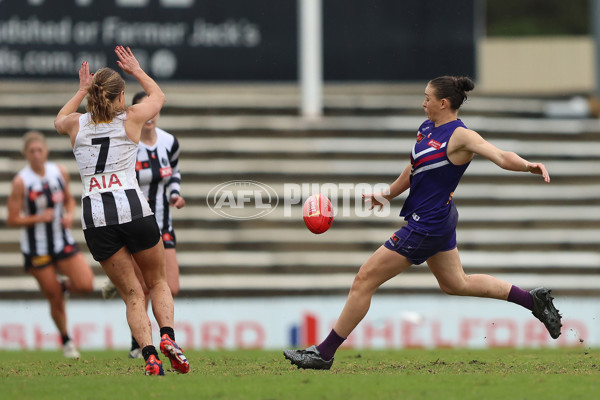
<point x="83" y="286"/>
<point x="134" y="295"/>
<point x="448" y="290"/>
<point x="55" y="296"/>
<point x="453" y="288"/>
<point x="361" y="282"/>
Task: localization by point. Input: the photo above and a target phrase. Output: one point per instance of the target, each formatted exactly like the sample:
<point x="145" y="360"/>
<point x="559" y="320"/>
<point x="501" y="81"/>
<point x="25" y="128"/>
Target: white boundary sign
<point x="414" y="321"/>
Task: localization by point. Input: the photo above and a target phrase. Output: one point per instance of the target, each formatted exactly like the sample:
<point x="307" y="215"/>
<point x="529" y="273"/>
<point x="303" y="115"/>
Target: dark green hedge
<point x="537" y="17"/>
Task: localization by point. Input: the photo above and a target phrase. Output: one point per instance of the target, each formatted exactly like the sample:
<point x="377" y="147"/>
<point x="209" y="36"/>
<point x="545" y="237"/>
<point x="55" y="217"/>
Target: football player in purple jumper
<point x="443" y="150"/>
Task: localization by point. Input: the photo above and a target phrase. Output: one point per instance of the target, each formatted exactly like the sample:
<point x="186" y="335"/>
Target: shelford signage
<point x="261" y="323"/>
<point x="236" y="39"/>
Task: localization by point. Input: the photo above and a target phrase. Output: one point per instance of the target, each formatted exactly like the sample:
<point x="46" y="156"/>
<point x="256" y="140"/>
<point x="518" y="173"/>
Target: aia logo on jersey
<point x="166" y="171"/>
<point x="104" y="182"/>
<point x="436" y="145"/>
<point x="33" y="195"/>
<point x="166" y="237"/>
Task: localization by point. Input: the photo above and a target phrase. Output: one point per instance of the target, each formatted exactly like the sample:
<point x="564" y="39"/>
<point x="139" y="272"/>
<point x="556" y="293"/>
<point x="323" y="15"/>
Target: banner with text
<point x="236" y="39"/>
<point x="261" y="323"/>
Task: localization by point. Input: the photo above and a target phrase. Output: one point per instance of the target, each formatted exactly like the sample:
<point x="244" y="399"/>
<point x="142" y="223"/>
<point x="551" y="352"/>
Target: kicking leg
<point x="448" y="270"/>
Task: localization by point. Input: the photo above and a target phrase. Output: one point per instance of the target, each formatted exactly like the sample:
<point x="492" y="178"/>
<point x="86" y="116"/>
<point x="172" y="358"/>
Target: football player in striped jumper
<point x="443" y="150"/>
<point x="117" y="220"/>
<point x="41" y="204"/>
<point x="159" y="178"/>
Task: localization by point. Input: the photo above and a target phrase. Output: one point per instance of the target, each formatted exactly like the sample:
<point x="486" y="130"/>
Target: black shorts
<point x="39" y="262"/>
<point x="137" y="235"/>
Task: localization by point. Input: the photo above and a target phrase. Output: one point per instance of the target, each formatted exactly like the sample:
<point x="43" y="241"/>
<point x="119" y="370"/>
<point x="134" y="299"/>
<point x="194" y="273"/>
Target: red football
<point x="318" y="213"/>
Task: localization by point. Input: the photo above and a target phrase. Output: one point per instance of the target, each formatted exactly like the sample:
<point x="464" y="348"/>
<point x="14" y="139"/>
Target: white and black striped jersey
<point x="42" y="192"/>
<point x="106" y="159"/>
<point x="158" y="175"/>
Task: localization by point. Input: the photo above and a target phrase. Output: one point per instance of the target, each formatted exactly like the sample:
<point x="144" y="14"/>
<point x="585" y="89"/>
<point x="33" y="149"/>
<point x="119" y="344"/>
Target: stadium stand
<point x="511" y="224"/>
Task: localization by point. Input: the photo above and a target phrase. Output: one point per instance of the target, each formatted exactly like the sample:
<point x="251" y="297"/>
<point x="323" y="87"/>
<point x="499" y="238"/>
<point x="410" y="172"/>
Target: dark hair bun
<point x="465" y="83"/>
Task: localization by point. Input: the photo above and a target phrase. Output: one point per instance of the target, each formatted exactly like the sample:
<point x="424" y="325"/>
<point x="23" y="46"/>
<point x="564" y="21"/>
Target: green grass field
<point x="407" y="374"/>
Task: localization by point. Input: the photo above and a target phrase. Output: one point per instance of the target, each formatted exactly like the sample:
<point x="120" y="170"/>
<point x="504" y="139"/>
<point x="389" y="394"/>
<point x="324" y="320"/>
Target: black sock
<point x="65" y="338"/>
<point x="169" y="331"/>
<point x="148" y="351"/>
<point x="134" y="344"/>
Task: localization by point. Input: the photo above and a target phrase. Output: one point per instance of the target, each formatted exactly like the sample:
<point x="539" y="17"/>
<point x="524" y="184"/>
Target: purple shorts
<point x="418" y="245"/>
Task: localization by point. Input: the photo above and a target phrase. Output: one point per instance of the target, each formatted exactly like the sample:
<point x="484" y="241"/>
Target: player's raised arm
<point x="141" y="112"/>
<point x="67" y="120"/>
<point x="472" y="142"/>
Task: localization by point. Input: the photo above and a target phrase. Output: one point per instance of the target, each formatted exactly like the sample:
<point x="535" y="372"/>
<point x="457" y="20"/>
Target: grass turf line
<point x="366" y="374"/>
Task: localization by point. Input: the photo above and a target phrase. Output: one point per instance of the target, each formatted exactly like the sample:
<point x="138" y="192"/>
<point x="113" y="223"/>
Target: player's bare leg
<point x="53" y="292"/>
<point x="152" y="266"/>
<point x="383" y="265"/>
<point x="448" y="270"/>
<point x="81" y="277"/>
<point x="136" y="351"/>
<point x="172" y="271"/>
<point x="119" y="268"/>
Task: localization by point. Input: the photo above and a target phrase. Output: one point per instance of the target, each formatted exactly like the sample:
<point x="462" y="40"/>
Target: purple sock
<point x="328" y="347"/>
<point x="520" y="297"/>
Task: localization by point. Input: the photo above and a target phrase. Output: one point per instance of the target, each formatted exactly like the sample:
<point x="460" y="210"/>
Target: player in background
<point x="41" y="204"/>
<point x="118" y="223"/>
<point x="158" y="175"/>
<point x="443" y="150"/>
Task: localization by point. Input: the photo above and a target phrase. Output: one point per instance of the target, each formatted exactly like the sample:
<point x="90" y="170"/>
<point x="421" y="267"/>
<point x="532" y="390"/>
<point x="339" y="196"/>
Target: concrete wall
<point x="538" y="65"/>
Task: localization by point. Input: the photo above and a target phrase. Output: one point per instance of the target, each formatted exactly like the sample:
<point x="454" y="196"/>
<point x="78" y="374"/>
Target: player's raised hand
<point x="127" y="60"/>
<point x="85" y="78"/>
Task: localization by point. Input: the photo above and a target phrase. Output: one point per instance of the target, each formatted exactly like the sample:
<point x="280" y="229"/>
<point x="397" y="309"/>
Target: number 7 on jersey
<point x="104" y="143"/>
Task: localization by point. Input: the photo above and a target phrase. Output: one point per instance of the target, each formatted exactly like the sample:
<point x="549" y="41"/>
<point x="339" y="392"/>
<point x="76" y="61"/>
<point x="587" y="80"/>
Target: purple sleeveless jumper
<point x="429" y="209"/>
